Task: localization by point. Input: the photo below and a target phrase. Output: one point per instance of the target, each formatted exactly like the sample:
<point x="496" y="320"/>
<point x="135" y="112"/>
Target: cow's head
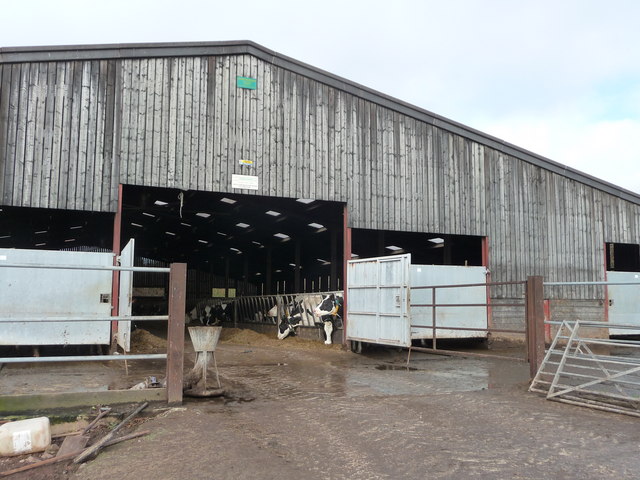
<point x="328" y="306"/>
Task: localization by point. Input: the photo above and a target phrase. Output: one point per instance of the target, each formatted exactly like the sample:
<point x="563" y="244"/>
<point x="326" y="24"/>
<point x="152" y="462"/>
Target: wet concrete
<point x="330" y="414"/>
<point x="336" y="415"/>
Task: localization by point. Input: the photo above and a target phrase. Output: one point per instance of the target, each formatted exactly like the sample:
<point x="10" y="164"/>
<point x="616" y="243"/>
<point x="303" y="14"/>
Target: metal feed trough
<point x="204" y="341"/>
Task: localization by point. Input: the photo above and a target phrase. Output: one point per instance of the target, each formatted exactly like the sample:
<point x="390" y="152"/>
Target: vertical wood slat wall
<point x="70" y="131"/>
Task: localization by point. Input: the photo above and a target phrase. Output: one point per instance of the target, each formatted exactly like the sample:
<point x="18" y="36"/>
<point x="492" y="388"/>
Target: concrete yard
<point x="296" y="410"/>
<point x="330" y="414"/>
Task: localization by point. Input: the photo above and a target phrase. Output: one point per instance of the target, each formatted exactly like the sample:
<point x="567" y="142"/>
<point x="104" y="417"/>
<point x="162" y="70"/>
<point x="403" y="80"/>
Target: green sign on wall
<point x="246" y="82"/>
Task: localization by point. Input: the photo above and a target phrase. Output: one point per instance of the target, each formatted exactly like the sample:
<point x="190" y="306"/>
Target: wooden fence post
<point x="535" y="323"/>
<point x="175" y="332"/>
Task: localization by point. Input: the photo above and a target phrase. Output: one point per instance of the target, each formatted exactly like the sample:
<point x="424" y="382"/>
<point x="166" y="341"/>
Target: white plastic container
<point x="25" y="436"/>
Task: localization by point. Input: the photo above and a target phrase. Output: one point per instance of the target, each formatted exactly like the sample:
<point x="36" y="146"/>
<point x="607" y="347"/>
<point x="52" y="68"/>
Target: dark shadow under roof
<point x="241" y="47"/>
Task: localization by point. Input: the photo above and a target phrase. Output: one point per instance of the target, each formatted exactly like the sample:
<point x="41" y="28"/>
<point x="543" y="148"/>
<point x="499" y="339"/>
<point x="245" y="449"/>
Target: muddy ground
<point x="295" y="409"/>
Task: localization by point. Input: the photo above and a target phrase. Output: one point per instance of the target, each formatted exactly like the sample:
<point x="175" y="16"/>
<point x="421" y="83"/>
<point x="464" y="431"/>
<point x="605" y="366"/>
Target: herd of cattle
<point x="309" y="310"/>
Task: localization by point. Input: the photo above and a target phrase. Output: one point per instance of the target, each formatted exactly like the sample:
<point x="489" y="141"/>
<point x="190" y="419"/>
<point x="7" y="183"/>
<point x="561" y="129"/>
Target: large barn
<point x="265" y="174"/>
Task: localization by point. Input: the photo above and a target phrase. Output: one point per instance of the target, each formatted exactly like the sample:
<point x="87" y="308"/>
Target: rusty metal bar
<point x="468" y="305"/>
<point x="490" y="284"/>
<point x="175" y="333"/>
<point x="471" y="329"/>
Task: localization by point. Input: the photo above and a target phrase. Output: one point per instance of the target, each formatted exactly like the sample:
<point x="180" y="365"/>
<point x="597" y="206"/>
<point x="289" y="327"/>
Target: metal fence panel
<point x="29" y="292"/>
<point x="624" y="302"/>
<point x="455" y="316"/>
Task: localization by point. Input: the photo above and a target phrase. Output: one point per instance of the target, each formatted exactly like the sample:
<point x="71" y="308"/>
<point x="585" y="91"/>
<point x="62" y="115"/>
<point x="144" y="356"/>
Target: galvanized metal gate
<point x="378" y="300"/>
<point x="125" y="300"/>
<point x="392" y="302"/>
<point x="54" y="293"/>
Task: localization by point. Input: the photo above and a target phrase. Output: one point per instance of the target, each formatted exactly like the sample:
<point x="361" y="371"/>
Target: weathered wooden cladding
<point x="71" y="131"/>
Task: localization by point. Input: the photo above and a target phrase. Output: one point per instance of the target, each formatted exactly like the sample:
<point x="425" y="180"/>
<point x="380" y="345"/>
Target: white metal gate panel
<point x="125" y="296"/>
<point x="41" y="292"/>
<point x="624" y="302"/>
<point x="378" y="300"/>
<point x="459" y="317"/>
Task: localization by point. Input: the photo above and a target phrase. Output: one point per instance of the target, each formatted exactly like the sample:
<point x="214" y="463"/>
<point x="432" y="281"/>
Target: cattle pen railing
<point x="585" y="366"/>
<point x="175" y="333"/>
<point x="533" y="312"/>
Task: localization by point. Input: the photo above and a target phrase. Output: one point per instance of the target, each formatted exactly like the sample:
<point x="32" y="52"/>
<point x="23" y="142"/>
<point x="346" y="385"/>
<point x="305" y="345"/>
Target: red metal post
<point x="346" y="236"/>
<point x="115" y="283"/>
<point x="175" y="332"/>
<point x="535" y="323"/>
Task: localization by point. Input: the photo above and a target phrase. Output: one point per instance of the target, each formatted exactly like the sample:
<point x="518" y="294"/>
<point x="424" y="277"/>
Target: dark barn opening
<point x="49" y="229"/>
<point x="235" y="245"/>
<point x="623" y="257"/>
<point x="425" y="248"/>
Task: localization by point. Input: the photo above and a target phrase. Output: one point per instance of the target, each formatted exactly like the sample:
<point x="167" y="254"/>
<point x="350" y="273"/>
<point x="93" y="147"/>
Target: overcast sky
<point x="558" y="77"/>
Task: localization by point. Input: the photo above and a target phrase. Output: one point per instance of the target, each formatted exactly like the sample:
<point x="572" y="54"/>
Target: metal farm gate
<point x="392" y="302"/>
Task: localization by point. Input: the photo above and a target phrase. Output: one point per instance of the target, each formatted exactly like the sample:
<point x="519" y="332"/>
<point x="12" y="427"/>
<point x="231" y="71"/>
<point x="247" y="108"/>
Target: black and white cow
<point x="329" y="311"/>
<point x="291" y="318"/>
<point x="212" y="312"/>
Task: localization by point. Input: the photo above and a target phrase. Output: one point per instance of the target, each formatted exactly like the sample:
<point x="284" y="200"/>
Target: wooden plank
<point x="154" y="156"/>
<point x="100" y="100"/>
<point x="25" y="159"/>
<point x="118" y="119"/>
<point x="260" y="129"/>
<point x="164" y="124"/>
<point x="203" y="135"/>
<point x="10" y="404"/>
<point x="174" y="72"/>
<point x="228" y="122"/>
<point x="187" y="123"/>
<point x="55" y="99"/>
<point x="135" y="172"/>
<point x="285" y="109"/>
<point x="217" y="115"/>
<point x="273" y="126"/>
<point x="108" y="140"/>
<point x="92" y="123"/>
<point x="72" y="444"/>
<point x="11" y="98"/>
<point x="39" y="119"/>
<point x="252" y="125"/>
<point x="5" y="87"/>
<point x="144" y="170"/>
<point x="175" y="333"/>
<point x="84" y="98"/>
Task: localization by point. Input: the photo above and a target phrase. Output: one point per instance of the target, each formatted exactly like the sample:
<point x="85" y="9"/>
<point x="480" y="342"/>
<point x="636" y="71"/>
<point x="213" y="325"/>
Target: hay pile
<point x="244" y="336"/>
<point x="143" y="341"/>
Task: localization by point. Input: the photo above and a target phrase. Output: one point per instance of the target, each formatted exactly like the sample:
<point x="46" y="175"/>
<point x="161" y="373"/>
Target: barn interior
<point x="233" y="244"/>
